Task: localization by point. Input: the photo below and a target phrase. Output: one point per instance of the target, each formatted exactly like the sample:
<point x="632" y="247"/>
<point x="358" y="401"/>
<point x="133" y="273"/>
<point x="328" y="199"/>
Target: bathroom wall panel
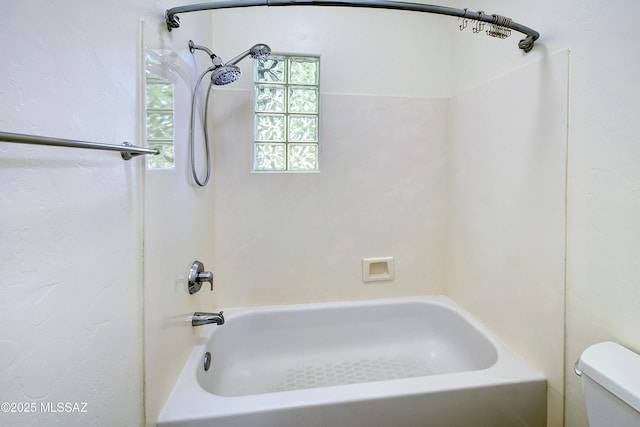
<point x="300" y="237"/>
<point x="506" y="211"/>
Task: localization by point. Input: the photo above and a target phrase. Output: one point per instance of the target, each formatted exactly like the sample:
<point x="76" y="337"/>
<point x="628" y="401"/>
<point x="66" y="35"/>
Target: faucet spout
<point x="199" y="318"/>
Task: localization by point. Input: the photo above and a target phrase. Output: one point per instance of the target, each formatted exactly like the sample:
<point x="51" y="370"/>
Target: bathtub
<point x="400" y="362"/>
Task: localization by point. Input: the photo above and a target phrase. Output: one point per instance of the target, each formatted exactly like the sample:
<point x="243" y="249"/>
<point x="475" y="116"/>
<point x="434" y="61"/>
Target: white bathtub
<point x="395" y="362"/>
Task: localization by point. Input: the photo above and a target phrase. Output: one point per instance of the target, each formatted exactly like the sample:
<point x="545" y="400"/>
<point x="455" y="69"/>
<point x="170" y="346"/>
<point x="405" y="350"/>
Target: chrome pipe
<point x="127" y="150"/>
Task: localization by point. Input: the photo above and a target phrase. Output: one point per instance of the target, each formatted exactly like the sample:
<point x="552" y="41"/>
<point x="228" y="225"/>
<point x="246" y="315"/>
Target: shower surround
<point x="466" y="193"/>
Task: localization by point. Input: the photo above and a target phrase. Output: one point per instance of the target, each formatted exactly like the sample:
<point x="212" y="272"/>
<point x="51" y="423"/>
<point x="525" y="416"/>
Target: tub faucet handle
<point x="197" y="276"/>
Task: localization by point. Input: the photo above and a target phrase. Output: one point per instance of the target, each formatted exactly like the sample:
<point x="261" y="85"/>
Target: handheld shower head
<point x="225" y="74"/>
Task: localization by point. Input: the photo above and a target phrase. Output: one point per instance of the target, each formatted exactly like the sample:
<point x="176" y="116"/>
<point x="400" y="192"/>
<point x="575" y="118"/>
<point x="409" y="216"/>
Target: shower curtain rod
<point x="127" y="151"/>
<point x="525" y="44"/>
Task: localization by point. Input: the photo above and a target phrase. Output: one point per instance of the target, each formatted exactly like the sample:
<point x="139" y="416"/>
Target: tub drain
<point x="207" y="361"/>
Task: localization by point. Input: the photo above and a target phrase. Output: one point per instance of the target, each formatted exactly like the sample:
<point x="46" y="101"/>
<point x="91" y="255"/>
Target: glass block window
<point x="287" y="108"/>
<point x="159" y="108"/>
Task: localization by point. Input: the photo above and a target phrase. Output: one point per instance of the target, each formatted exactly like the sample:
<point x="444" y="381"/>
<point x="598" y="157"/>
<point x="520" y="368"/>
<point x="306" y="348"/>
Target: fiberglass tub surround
<point x="395" y="362"/>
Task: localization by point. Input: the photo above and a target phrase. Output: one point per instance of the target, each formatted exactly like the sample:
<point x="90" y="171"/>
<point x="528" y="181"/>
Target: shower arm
<point x="525" y="44"/>
<point x="239" y="58"/>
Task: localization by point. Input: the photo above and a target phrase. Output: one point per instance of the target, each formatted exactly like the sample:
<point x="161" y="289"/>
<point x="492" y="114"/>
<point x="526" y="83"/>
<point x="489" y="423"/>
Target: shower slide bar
<point x="127" y="151"/>
<point x="502" y="24"/>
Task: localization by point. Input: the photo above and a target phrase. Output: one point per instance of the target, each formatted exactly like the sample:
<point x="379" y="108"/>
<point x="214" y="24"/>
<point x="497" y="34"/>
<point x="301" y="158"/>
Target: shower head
<point x="225" y="74"/>
<point x="230" y="72"/>
<point x="258" y="51"/>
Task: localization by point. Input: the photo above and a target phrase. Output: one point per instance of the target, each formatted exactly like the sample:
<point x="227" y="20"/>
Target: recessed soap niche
<point x="377" y="269"/>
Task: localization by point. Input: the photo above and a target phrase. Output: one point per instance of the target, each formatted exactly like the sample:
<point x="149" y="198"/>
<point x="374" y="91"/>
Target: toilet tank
<point x="611" y="385"/>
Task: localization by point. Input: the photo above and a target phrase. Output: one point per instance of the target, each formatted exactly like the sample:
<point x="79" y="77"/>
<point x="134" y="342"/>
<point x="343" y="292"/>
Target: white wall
<point x="71" y="277"/>
<point x="362" y="51"/>
<point x="602" y="294"/>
